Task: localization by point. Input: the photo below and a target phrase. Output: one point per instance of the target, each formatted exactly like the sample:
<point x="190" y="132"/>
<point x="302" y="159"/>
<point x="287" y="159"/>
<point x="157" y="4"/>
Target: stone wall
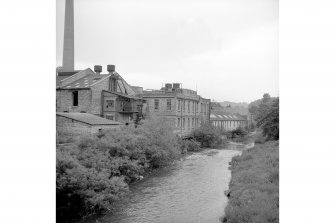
<point x="70" y="125"/>
<point x="96" y="96"/>
<point x="64" y="101"/>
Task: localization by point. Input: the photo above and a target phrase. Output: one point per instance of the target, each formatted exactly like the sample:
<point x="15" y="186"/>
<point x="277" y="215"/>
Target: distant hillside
<point x="233" y="107"/>
<point x="233" y="104"/>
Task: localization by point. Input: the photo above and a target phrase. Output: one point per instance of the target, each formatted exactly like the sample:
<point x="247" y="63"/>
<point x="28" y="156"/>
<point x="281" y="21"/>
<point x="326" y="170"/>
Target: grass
<point x="254" y="188"/>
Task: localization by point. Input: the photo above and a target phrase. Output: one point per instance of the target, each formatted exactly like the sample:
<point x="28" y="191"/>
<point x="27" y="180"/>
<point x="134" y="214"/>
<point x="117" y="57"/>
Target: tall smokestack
<point x="68" y="45"/>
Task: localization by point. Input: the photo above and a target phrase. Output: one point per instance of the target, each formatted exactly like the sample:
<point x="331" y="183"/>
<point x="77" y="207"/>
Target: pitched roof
<point x="225" y="116"/>
<point x="88" y="118"/>
<point x="87" y="78"/>
<point x="87" y="81"/>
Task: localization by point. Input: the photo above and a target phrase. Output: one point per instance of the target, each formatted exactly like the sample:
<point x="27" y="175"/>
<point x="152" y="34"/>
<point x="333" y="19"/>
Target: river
<point x="190" y="191"/>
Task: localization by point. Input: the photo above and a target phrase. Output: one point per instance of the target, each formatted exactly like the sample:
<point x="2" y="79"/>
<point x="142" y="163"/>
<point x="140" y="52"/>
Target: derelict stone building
<point x="104" y="95"/>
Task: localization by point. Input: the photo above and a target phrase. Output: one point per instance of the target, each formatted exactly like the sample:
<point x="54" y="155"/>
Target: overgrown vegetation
<point x="208" y="136"/>
<point x="266" y="114"/>
<point x="254" y="187"/>
<point x="96" y="170"/>
<point x="190" y="145"/>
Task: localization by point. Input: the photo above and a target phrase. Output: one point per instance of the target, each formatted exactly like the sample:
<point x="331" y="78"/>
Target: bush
<point x="208" y="136"/>
<point x="96" y="171"/>
<point x="64" y="136"/>
<point x="84" y="184"/>
<point x="238" y="133"/>
<point x="190" y="145"/>
<point x="259" y="137"/>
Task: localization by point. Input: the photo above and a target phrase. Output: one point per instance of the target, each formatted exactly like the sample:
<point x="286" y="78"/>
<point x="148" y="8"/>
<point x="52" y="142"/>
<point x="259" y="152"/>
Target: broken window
<point x="75" y="98"/>
<point x="109" y="103"/>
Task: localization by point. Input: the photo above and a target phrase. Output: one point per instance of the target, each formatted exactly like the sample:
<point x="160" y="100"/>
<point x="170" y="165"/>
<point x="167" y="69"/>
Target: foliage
<point x="190" y="145"/>
<point x="251" y="126"/>
<point x="208" y="136"/>
<point x="254" y="187"/>
<point x="64" y="136"/>
<point x="239" y="133"/>
<point x="269" y="121"/>
<point x="96" y="170"/>
<point x="259" y="137"/>
<point x="266" y="115"/>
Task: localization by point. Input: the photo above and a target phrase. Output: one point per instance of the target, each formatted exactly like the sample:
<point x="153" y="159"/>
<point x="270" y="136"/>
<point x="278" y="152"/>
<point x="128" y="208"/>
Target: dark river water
<point x="190" y="191"/>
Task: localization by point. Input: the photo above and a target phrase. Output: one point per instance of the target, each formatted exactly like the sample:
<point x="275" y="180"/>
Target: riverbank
<point x="191" y="190"/>
<point x="254" y="188"/>
<point x="95" y="170"/>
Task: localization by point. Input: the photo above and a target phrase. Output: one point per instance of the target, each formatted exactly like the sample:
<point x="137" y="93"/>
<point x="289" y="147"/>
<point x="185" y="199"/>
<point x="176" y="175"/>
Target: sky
<point x="227" y="50"/>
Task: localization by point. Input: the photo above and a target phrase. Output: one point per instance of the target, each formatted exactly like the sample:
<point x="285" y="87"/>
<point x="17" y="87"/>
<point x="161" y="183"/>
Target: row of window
<point x="192" y="106"/>
<point x="227" y="124"/>
<point x="190" y="123"/>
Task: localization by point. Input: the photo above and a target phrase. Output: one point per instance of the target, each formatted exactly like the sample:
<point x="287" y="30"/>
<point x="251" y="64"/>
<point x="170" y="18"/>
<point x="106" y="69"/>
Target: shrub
<point x="208" y="136"/>
<point x="190" y="145"/>
<point x="238" y="133"/>
<point x="65" y="136"/>
<point x="84" y="184"/>
<point x="96" y="171"/>
<point x="259" y="137"/>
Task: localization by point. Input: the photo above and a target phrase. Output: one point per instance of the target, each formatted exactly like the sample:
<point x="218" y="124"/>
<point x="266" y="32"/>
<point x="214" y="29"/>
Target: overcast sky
<point x="227" y="48"/>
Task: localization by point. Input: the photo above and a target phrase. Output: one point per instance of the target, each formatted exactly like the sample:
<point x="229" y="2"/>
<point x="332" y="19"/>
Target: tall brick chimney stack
<point x="68" y="45"/>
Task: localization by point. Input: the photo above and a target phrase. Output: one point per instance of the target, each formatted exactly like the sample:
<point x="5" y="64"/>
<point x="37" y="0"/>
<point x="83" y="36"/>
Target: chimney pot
<point x="110" y="68"/>
<point x="98" y="69"/>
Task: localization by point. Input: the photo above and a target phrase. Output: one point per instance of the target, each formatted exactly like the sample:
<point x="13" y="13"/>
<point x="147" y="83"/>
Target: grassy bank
<point x="254" y="188"/>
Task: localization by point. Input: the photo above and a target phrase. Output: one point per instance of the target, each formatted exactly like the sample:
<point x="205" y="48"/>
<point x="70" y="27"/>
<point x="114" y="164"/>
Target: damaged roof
<point x="87" y="78"/>
<point x="87" y="81"/>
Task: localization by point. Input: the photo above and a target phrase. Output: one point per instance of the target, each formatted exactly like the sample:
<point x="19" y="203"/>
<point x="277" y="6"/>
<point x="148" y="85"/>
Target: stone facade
<point x="183" y="108"/>
<point x="64" y="100"/>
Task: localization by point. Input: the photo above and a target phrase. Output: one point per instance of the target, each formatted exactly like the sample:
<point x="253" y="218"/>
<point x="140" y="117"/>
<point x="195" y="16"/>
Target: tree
<point x="268" y="120"/>
<point x="265" y="113"/>
<point x="266" y="98"/>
